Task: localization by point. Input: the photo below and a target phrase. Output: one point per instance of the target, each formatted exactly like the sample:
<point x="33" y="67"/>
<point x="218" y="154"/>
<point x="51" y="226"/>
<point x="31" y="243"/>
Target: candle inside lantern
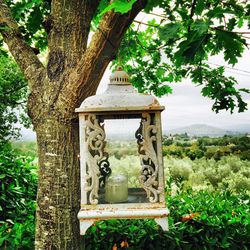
<point x="116" y="189"/>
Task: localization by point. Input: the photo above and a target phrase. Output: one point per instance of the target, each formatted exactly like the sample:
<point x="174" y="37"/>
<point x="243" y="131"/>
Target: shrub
<point x="229" y="173"/>
<point x="199" y="220"/>
<point x="18" y="183"/>
<point x="180" y="169"/>
<point x="209" y="147"/>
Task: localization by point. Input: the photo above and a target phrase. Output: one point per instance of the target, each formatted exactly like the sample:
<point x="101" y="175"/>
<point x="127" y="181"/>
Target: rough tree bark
<point x="72" y="73"/>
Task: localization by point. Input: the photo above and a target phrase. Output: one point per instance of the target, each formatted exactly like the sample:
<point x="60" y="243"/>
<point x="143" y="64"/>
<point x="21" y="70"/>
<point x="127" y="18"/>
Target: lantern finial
<point x="119" y="77"/>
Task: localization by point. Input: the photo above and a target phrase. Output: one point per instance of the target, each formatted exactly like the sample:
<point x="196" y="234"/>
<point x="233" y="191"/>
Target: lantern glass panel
<point x="122" y="185"/>
<point x="122" y="148"/>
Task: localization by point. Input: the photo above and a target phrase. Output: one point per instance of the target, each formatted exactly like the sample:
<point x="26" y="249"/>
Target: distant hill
<point x="127" y="133"/>
<point x="201" y="130"/>
<point x="242" y="128"/>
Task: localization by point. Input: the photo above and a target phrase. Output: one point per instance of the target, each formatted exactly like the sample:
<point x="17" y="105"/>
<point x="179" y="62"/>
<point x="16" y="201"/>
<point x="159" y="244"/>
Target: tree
<point x="190" y="31"/>
<point x="13" y="93"/>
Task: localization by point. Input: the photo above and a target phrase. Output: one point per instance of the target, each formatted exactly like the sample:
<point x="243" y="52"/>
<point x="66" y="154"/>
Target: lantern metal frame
<point x="121" y="101"/>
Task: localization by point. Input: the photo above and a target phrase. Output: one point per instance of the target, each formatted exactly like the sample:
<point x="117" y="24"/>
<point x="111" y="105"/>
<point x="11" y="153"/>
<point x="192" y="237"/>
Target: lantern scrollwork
<point x="97" y="158"/>
<point x="146" y="138"/>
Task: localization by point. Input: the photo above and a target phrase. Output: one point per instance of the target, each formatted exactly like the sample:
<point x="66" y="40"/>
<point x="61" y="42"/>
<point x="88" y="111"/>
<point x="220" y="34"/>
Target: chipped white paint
<point x="121" y="101"/>
<point x="84" y="225"/>
<point x="119" y="96"/>
<point x="87" y="218"/>
<point x="124" y="213"/>
<point x="163" y="222"/>
<point x="83" y="157"/>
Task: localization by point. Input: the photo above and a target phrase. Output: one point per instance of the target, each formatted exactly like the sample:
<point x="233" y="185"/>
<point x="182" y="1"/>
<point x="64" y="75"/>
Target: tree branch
<point x="147" y="24"/>
<point x="101" y="50"/>
<point x="22" y="52"/>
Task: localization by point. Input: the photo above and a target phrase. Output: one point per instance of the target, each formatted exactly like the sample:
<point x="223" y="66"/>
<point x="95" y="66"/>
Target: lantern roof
<point x="120" y="95"/>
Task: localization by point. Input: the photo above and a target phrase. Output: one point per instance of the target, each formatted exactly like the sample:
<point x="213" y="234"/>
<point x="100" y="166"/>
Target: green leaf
<point x="199" y="7"/>
<point x="240" y="22"/>
<point x="4" y="27"/>
<point x="160" y="72"/>
<point x="121" y="6"/>
<point x="245" y="90"/>
<point x="231" y="24"/>
<point x="206" y="91"/>
<point x="35" y="19"/>
<point x="199" y="27"/>
<point x="188" y="51"/>
<point x="169" y="31"/>
<point x="151" y="4"/>
<point x="231" y="43"/>
<point x="217" y="12"/>
<point x="2" y="176"/>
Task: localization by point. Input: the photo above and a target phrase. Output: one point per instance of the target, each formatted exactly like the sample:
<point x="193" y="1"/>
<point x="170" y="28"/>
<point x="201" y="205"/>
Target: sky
<point x="186" y="106"/>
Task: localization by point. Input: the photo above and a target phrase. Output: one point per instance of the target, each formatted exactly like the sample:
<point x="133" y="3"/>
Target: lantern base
<point x="88" y="215"/>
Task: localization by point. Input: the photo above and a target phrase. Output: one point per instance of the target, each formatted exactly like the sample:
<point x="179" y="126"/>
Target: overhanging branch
<point x="22" y="52"/>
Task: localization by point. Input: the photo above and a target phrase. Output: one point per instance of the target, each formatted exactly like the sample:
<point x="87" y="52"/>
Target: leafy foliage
<point x="197" y="221"/>
<point x="207" y="147"/>
<point x="25" y="149"/>
<point x="18" y="184"/>
<point x="121" y="6"/>
<point x="180" y="44"/>
<point x="31" y="17"/>
<point x="215" y="164"/>
<point x="228" y="174"/>
<point x="13" y="95"/>
<point x="219" y="88"/>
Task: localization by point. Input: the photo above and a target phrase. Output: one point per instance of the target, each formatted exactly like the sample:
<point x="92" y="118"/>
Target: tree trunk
<point x="58" y="188"/>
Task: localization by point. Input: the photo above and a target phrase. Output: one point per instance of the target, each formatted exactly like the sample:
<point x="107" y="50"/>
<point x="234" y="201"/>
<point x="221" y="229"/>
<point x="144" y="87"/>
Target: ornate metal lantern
<point x="104" y="196"/>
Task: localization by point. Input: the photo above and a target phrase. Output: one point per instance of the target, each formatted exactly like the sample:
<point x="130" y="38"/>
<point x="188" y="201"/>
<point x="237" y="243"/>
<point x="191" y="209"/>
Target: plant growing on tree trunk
<point x="190" y="32"/>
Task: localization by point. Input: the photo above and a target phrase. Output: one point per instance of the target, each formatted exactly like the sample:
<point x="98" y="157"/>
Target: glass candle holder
<point x="116" y="189"/>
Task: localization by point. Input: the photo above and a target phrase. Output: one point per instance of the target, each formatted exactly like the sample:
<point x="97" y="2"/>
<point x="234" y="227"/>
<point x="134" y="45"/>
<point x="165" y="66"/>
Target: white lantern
<point x="103" y="194"/>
